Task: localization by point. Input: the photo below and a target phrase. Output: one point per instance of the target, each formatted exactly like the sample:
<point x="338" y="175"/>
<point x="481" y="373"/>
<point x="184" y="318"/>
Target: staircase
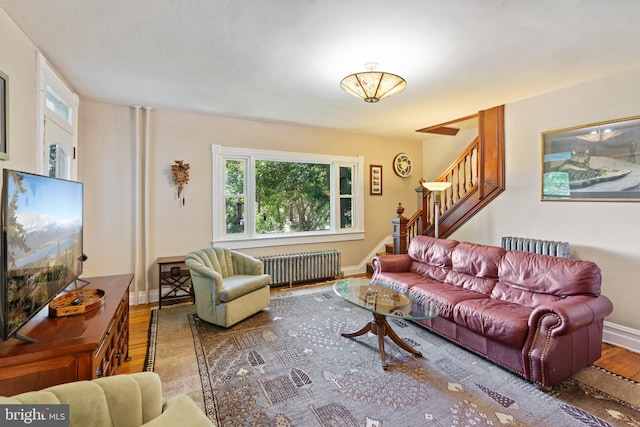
<point x="476" y="177"/>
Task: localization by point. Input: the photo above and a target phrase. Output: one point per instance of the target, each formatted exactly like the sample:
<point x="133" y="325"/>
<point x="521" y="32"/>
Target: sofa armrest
<point x="201" y="269"/>
<point x="180" y="410"/>
<point x="205" y="280"/>
<point x="391" y="263"/>
<point x="570" y="314"/>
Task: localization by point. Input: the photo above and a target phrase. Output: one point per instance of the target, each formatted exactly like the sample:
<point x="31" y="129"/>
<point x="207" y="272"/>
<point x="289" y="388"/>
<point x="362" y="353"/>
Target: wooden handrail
<point x="405" y="229"/>
<point x="463" y="176"/>
<point x="476" y="177"/>
<point x="414" y="226"/>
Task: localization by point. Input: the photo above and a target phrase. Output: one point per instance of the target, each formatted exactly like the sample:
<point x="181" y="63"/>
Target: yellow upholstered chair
<point x="229" y="286"/>
<point x="118" y="401"/>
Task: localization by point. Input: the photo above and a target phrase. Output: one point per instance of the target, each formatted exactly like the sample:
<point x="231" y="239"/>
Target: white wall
<point x="108" y="169"/>
<point x="18" y="62"/>
<point x="440" y="152"/>
<point x="607" y="233"/>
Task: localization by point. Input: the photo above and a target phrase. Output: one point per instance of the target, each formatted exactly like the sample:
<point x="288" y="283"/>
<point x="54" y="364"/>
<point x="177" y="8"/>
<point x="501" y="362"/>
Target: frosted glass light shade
<point x="436" y="186"/>
<point x="372" y="86"/>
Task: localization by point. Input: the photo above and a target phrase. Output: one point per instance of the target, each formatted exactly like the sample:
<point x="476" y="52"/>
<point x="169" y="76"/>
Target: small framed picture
<point x="375" y="180"/>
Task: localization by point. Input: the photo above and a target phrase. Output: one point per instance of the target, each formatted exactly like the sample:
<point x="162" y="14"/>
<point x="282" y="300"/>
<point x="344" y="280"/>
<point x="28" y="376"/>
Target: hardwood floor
<point x="139" y="316"/>
<point x="614" y="359"/>
<point x="620" y="361"/>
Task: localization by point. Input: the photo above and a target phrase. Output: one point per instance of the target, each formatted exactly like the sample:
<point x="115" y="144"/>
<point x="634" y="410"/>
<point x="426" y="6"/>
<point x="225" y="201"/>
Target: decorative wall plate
<point x="402" y="165"/>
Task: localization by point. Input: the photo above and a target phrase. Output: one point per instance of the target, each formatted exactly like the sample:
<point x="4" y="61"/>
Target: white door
<point x="57" y="125"/>
<point x="60" y="158"/>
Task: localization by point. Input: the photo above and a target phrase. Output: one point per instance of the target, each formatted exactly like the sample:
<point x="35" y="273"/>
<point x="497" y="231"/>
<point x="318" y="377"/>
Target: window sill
<point x="272" y="241"/>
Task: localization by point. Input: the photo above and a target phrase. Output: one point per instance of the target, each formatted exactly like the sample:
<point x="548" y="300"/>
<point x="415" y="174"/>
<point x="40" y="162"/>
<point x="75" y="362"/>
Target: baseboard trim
<point x="621" y="336"/>
<point x="142" y="297"/>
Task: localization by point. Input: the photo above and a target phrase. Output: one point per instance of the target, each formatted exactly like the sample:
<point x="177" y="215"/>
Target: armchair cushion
<point x="241" y="284"/>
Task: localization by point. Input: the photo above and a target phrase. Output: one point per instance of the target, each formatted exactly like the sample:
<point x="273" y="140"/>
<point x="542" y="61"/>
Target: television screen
<point x="41" y="243"/>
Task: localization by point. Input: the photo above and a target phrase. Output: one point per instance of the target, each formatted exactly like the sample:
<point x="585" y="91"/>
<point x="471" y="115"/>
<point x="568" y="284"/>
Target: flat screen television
<point x="41" y="244"/>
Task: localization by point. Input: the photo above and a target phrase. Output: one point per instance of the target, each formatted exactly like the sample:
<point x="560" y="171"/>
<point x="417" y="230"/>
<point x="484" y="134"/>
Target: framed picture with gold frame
<point x="4" y="116"/>
<point x="595" y="162"/>
<point x="375" y="180"/>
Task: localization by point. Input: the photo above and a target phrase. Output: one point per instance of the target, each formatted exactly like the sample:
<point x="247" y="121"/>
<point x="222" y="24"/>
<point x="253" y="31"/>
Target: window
<point x="234" y="195"/>
<point x="57" y="124"/>
<point x="58" y="160"/>
<point x="271" y="197"/>
<point x="58" y="106"/>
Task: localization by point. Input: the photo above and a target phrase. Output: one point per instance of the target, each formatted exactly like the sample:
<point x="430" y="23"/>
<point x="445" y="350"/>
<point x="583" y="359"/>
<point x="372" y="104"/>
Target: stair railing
<point x="476" y="176"/>
<point x="463" y="176"/>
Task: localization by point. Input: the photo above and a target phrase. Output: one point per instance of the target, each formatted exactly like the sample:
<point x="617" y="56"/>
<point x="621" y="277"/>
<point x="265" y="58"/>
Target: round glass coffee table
<point x="384" y="302"/>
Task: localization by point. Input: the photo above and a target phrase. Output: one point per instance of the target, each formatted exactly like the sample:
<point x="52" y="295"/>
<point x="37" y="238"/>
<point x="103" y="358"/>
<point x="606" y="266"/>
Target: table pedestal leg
<point x="380" y="327"/>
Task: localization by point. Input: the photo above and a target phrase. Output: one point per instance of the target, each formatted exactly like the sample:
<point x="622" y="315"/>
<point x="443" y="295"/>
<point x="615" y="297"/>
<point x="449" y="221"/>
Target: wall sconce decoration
<point x="180" y="172"/>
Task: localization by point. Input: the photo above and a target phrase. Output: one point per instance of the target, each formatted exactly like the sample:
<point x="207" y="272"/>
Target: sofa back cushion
<point x="114" y="401"/>
<point x="475" y="267"/>
<point x="218" y="259"/>
<point x="431" y="257"/>
<point x="528" y="273"/>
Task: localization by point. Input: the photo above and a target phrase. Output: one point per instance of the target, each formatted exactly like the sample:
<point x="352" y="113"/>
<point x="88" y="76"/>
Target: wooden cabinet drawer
<point x="37" y="375"/>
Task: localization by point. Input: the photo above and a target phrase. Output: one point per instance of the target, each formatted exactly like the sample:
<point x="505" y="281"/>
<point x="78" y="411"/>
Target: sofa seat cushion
<point x="499" y="320"/>
<point x="402" y="281"/>
<point x="434" y="272"/>
<point x="445" y="296"/>
<point x="517" y="295"/>
<point x="241" y="284"/>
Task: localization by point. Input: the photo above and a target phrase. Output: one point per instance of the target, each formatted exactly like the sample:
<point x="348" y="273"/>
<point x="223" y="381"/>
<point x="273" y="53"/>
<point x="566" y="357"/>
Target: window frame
<point x="47" y="77"/>
<point x="249" y="239"/>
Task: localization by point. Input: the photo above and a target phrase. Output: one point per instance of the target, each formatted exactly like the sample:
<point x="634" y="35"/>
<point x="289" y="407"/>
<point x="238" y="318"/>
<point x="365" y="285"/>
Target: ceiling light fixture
<point x="372" y="86"/>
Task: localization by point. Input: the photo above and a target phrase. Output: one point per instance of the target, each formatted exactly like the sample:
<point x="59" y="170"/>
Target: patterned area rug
<point x="289" y="366"/>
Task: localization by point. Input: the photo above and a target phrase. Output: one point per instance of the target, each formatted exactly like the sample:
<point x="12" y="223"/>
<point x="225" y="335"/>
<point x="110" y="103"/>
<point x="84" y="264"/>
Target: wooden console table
<point x="174" y="279"/>
<point x="73" y="348"/>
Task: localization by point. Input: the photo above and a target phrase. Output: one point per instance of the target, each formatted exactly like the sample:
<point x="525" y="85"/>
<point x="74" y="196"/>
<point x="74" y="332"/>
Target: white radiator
<point x="289" y="269"/>
<point x="545" y="247"/>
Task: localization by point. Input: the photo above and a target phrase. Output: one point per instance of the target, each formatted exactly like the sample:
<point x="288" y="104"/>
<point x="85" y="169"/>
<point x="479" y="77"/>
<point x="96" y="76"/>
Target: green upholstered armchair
<point x="118" y="401"/>
<point x="229" y="286"/>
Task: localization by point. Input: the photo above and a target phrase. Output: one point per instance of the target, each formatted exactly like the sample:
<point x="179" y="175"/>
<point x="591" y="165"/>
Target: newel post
<point x="399" y="231"/>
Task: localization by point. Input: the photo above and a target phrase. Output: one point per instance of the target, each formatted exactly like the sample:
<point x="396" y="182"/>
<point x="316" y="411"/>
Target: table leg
<point x="380" y="327"/>
<point x="396" y="339"/>
<point x="383" y="355"/>
<point x="362" y="331"/>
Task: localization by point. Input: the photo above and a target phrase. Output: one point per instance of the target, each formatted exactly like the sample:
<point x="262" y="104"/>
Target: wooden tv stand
<point x="73" y="348"/>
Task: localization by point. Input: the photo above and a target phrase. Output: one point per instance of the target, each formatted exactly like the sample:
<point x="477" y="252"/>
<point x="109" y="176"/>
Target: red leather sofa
<point x="537" y="315"/>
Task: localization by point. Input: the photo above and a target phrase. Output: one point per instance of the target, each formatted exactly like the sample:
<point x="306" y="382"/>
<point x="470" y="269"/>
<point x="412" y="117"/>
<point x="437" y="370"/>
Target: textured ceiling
<point x="282" y="60"/>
